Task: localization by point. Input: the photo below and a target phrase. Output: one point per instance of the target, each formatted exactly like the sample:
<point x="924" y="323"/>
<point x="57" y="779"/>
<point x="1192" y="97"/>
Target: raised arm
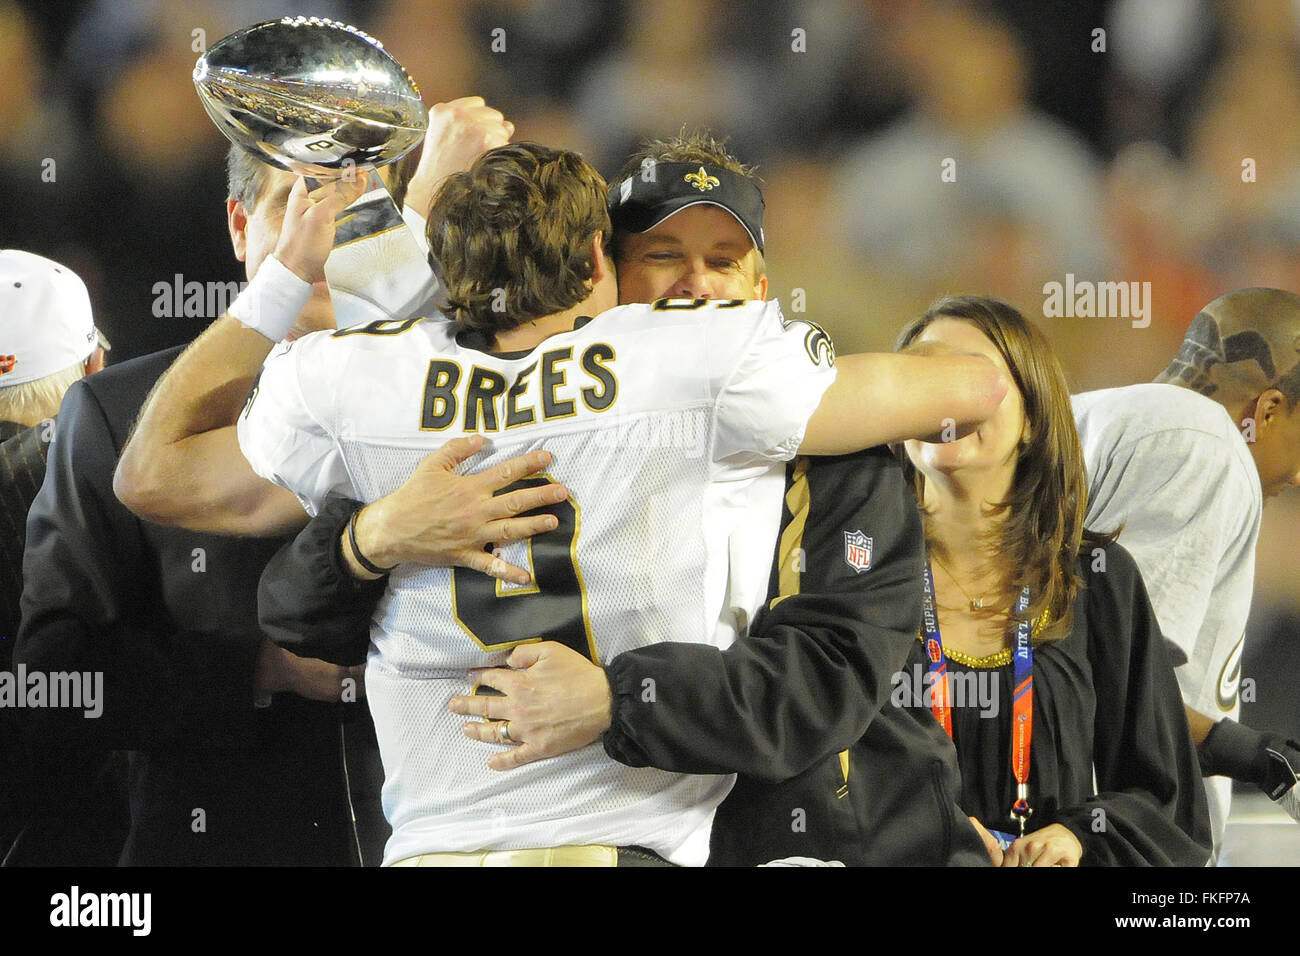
<point x="459" y="132"/>
<point x="882" y="397"/>
<point x="182" y="465"/>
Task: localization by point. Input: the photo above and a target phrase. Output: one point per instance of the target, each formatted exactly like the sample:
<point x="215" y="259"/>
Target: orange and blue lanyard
<point x="940" y="689"/>
<point x="1022" y="697"/>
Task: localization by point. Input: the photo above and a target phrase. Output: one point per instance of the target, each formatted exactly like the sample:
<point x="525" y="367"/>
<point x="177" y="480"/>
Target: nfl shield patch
<point x="857" y="550"/>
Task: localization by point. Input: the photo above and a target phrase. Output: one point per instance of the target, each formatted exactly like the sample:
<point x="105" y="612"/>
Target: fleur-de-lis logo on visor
<point x="701" y="180"/>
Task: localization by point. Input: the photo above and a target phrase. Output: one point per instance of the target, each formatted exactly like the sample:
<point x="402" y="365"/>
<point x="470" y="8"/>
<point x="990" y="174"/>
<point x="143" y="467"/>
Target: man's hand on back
<point x="442" y="518"/>
<point x="555" y="701"/>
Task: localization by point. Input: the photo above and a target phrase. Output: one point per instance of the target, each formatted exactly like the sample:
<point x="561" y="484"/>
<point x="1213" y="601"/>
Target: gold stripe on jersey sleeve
<point x="797" y="501"/>
<point x="379" y="326"/>
<point x="582" y="583"/>
<point x="843" y="791"/>
<point x="368" y="235"/>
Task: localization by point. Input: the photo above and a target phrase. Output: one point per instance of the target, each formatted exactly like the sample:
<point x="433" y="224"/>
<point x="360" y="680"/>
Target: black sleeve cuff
<point x="623" y="689"/>
<point x="307" y="601"/>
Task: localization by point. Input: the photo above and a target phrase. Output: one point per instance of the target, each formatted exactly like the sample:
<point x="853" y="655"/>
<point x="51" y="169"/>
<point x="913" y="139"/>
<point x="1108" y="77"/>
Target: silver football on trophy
<point x="313" y="96"/>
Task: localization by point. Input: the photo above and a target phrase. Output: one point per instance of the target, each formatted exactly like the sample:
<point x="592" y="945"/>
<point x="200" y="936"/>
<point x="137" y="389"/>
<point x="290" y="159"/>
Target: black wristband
<point x="356" y="551"/>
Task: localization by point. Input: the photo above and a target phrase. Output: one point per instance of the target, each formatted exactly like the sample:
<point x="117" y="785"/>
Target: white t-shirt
<point x="1171" y="466"/>
<point x="655" y="416"/>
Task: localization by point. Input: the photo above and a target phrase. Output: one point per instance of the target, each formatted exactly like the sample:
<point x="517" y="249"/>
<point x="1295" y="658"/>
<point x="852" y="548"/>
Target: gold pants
<point x="542" y="856"/>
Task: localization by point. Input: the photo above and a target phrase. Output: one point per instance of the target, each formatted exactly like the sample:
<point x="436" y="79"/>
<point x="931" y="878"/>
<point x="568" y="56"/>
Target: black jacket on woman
<point x="1105" y="698"/>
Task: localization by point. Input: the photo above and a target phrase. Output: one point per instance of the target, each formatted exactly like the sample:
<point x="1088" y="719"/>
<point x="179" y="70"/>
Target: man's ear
<point x="1271" y="402"/>
<point x="602" y="266"/>
<point x="237" y="223"/>
<point x="760" y="287"/>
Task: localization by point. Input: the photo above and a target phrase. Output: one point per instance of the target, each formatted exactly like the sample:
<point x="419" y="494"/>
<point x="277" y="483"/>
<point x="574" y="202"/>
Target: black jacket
<point x="1106" y="708"/>
<point x="22" y="468"/>
<point x="800" y="707"/>
<point x="61" y="806"/>
<point x="811" y="679"/>
<point x="169" y="618"/>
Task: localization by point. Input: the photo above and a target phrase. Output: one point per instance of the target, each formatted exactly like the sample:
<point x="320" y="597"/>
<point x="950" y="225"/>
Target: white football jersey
<point x="655" y="414"/>
<point x="1170" y="466"/>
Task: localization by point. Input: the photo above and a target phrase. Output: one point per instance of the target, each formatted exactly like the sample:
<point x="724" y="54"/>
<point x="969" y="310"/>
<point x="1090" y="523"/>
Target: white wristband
<point x="271" y="302"/>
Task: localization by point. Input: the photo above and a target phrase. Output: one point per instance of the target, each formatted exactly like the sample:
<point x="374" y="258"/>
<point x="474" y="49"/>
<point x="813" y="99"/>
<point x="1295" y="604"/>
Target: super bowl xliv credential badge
<point x="857" y="550"/>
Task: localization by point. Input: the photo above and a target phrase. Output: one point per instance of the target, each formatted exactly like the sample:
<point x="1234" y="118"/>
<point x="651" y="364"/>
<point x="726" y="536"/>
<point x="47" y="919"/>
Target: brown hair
<point x="1043" y="531"/>
<point x="512" y="235"/>
<point x="690" y="146"/>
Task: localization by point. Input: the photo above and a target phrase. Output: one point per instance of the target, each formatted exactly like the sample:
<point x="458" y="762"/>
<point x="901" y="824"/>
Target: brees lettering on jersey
<point x="639" y="556"/>
<point x="449" y="389"/>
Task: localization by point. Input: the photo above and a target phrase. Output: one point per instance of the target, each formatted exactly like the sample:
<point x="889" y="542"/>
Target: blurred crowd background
<point x="1114" y="156"/>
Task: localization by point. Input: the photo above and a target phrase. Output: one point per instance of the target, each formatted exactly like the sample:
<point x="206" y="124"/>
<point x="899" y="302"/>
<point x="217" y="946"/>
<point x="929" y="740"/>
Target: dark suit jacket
<point x="801" y="707"/>
<point x="22" y="468"/>
<point x="64" y="808"/>
<point x="169" y="618"/>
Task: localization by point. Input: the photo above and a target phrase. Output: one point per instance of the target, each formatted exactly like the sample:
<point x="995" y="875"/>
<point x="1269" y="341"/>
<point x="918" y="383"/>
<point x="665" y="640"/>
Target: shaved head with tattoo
<point x="1243" y="351"/>
<point x="1242" y="343"/>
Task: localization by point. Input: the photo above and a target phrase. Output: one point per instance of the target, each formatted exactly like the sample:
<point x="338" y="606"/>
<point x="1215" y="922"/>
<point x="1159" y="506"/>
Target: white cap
<point x="45" y="321"/>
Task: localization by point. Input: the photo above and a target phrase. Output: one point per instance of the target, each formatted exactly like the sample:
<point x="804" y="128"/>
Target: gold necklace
<point x="975" y="603"/>
<point x="998" y="658"/>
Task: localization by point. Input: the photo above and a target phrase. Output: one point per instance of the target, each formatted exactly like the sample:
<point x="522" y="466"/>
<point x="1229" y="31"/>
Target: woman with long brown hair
<point x="1046" y="665"/>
